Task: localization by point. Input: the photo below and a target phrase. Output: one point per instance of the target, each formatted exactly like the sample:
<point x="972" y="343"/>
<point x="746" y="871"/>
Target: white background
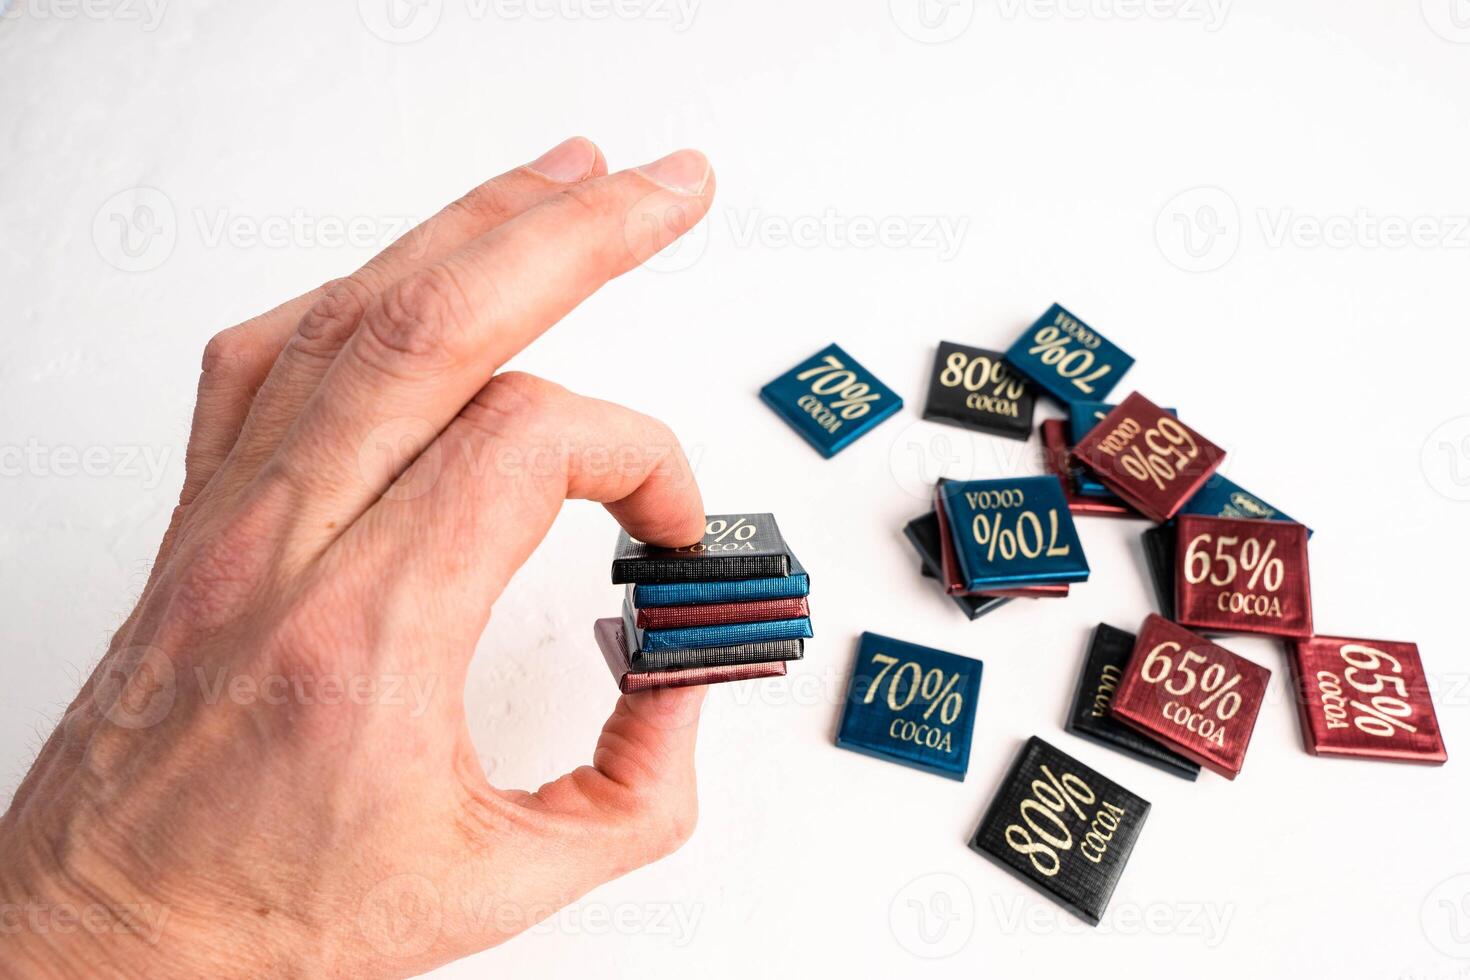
<point x="1055" y="144"/>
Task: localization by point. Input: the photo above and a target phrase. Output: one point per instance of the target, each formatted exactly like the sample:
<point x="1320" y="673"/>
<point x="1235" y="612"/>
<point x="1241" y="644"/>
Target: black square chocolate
<point x="1091" y="716"/>
<point x="976" y="389"/>
<point x="923" y="534"/>
<point x="1065" y="829"/>
<point x="1158" y="551"/>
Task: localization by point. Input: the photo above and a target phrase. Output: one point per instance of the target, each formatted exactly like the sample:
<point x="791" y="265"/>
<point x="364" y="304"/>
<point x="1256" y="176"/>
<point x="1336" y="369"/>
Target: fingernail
<point x="683" y="171"/>
<point x="566" y="162"/>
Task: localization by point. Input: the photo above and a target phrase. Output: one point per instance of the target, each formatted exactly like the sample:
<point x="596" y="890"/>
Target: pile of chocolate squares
<point x="991" y="541"/>
<point x="732" y="607"/>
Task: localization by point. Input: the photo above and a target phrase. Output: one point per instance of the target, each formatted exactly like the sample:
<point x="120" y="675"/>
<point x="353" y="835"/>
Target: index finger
<point x="428" y="343"/>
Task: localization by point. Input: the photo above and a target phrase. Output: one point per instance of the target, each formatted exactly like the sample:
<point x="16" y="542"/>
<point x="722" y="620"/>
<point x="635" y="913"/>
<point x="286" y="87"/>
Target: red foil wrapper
<point x="1366" y="698"/>
<point x="1195" y="697"/>
<point x="609" y="635"/>
<point x="721" y="613"/>
<point x="1242" y="576"/>
<point x="1148" y="457"/>
<point x="1057" y="456"/>
<point x="954" y="583"/>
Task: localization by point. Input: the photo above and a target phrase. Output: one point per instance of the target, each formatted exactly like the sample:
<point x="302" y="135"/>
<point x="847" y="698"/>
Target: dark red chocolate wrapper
<point x="722" y="613"/>
<point x="1222" y="596"/>
<point x="1137" y="424"/>
<point x="1393" y="719"/>
<point x="1195" y="697"/>
<point x="1057" y="456"/>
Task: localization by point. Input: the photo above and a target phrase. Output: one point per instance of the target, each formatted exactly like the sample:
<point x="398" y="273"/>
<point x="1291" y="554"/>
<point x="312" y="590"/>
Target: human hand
<point x="360" y="485"/>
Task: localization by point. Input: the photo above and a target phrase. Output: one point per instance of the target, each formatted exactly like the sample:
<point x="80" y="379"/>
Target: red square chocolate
<point x="1148" y="457"/>
<point x="1057" y="457"/>
<point x="1242" y="576"/>
<point x="1366" y="698"/>
<point x="1195" y="697"/>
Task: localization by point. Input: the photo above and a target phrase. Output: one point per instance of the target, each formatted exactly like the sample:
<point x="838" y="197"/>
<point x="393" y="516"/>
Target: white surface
<point x="1057" y="140"/>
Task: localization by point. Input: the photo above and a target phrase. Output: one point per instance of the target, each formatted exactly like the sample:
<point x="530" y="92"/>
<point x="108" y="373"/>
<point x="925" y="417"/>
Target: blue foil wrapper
<point x="1068" y="359"/>
<point x="1013" y="532"/>
<point x="912" y="705"/>
<point x="830" y="400"/>
<point x="798" y="583"/>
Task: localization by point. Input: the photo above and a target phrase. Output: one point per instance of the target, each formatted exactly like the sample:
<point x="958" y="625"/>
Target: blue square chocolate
<point x="1068" y="359"/>
<point x="912" y="705"/>
<point x="830" y="399"/>
<point x="1013" y="532"/>
<point x="1220" y="497"/>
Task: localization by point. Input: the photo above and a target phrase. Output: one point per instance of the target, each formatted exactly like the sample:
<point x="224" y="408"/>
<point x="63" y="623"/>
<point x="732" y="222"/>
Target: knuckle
<point x="226" y="353"/>
<point x="419" y="319"/>
<point x="671" y="827"/>
<point x="514" y="400"/>
<point x="329" y="321"/>
<point x="485" y="205"/>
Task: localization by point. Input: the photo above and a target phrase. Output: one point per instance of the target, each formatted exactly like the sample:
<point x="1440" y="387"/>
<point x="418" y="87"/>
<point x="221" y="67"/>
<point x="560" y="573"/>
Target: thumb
<point x="638" y="801"/>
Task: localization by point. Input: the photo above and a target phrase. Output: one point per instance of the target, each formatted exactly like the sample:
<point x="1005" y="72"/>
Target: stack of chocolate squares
<point x="732" y="607"/>
<point x="990" y="541"/>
